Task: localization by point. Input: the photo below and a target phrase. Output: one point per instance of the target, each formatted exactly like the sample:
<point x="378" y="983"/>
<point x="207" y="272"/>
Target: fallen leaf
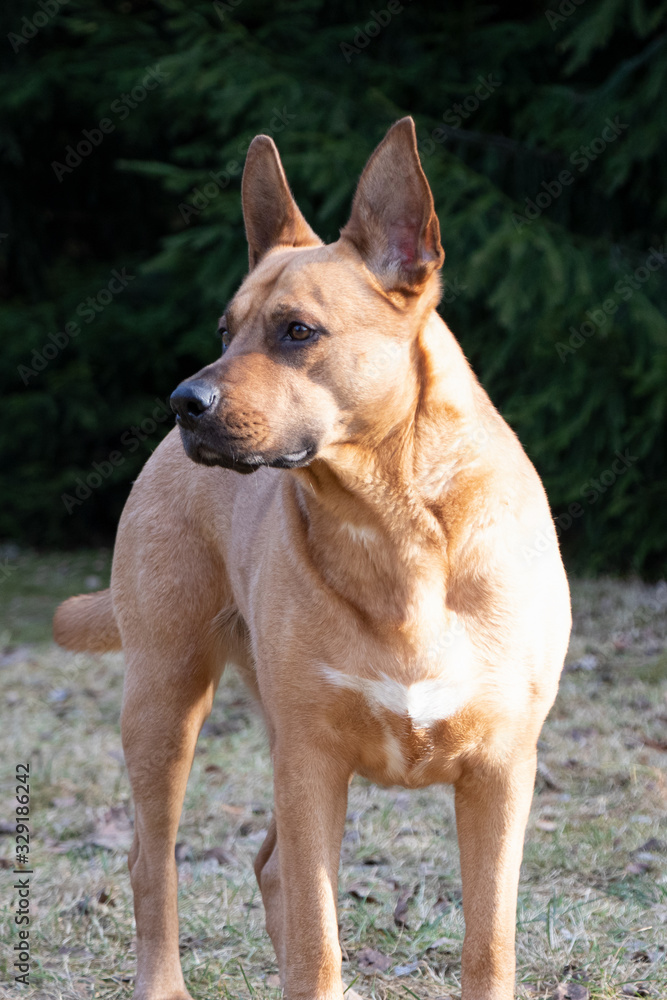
<point x="363" y="891"/>
<point x="233" y="810"/>
<point x="582" y="734"/>
<point x="64" y="846"/>
<point x="113" y="830"/>
<point x="222" y="856"/>
<point x="257" y="836"/>
<point x="570" y="991"/>
<point x="374" y="961"/>
<point x="646" y="857"/>
<point x="105" y="898"/>
<point x="636" y="990"/>
<point x="654" y="745"/>
<point x="64" y="802"/>
<point x="548" y="778"/>
<point x="452" y="899"/>
<point x="273" y="981"/>
<point x="645" y="953"/>
<point x="232" y="724"/>
<point x="74" y="951"/>
<point x="653" y="844"/>
<point x="444" y="942"/>
<point x="183" y="852"/>
<point x="587" y="662"/>
<point x="87" y="904"/>
<point x="58" y="695"/>
<point x="6" y="863"/>
<point x="637" y="868"/>
<point x="401" y="909"/>
<point x="18" y="655"/>
<point x="547" y="825"/>
<point x="213" y="769"/>
<point x="575" y="973"/>
<point x="406" y="970"/>
<point x="189" y="943"/>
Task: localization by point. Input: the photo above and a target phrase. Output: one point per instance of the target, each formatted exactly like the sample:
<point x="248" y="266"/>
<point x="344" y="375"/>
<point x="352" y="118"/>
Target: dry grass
<point x="593" y="894"/>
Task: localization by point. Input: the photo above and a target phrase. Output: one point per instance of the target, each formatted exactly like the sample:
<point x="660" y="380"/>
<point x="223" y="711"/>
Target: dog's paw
<point x="181" y="995"/>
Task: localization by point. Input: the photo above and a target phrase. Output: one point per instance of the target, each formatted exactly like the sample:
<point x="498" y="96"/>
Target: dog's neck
<point x="383" y="515"/>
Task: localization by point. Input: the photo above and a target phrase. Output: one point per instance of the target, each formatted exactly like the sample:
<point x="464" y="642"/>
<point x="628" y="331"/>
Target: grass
<point x="593" y="893"/>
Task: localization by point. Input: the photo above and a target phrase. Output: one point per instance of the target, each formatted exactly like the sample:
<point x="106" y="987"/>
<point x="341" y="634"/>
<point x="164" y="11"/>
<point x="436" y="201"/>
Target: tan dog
<point x="377" y="579"/>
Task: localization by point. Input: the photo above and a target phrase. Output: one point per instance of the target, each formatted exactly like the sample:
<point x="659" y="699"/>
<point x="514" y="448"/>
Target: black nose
<point x="190" y="401"/>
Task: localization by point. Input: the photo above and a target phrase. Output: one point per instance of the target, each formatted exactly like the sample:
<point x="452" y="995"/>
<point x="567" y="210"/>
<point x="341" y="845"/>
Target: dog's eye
<point x="298" y="331"/>
<point x="223" y="332"/>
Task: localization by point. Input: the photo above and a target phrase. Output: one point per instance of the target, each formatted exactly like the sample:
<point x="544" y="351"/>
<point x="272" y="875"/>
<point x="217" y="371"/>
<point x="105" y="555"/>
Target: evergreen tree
<point x="123" y="131"/>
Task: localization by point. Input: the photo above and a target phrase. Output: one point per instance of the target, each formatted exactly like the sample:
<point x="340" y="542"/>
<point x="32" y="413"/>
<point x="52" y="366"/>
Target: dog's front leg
<point x="491" y="813"/>
<point x="310" y="805"/>
<point x="164" y="704"/>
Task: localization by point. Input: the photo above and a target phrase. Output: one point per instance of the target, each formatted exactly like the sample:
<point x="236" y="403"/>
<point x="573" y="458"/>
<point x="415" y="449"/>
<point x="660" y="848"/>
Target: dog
<point x="377" y="579"/>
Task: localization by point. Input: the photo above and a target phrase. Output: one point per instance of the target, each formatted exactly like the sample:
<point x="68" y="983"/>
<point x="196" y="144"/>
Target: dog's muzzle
<point x="194" y="400"/>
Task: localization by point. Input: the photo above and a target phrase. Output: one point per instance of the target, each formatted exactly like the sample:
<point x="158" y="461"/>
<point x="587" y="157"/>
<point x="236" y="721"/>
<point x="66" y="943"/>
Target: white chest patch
<point x="362" y="536"/>
<point x="424" y="702"/>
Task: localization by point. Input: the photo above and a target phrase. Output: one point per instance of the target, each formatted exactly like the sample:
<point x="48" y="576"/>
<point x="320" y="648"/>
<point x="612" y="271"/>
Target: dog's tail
<point x="86" y="624"/>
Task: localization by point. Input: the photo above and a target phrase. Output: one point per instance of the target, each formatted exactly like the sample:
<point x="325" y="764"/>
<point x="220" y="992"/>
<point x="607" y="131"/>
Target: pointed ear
<point x="271" y="215"/>
<point x="393" y="223"/>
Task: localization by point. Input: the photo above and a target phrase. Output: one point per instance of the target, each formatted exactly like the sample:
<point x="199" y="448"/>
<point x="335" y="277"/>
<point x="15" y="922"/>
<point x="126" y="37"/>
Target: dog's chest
<point x="403" y="715"/>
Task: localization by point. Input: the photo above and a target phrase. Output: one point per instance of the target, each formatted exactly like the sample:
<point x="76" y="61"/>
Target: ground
<point x="593" y="895"/>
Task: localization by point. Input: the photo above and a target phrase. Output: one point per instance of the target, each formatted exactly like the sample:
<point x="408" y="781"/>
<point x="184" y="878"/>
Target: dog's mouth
<point x="201" y="452"/>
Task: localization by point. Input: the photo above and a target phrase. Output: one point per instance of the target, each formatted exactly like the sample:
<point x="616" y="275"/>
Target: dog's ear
<point x="393" y="222"/>
<point x="272" y="217"/>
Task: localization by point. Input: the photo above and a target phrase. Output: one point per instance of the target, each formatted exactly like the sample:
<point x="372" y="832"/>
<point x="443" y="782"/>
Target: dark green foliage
<point x="526" y="298"/>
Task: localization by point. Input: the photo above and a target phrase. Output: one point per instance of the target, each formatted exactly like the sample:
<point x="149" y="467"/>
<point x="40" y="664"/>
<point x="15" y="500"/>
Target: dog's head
<point x="318" y="340"/>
